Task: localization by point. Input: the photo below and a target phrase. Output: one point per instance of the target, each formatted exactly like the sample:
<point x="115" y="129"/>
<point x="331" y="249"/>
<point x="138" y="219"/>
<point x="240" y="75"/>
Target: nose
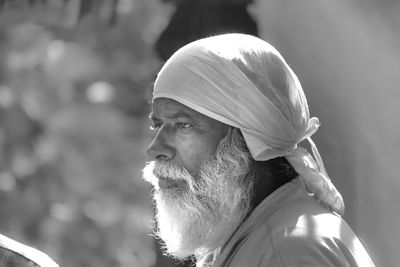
<point x="161" y="147"/>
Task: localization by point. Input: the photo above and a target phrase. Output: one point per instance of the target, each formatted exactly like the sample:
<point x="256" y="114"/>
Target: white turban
<point x="244" y="82"/>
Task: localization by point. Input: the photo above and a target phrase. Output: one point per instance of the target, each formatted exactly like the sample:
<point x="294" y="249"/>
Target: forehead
<point x="165" y="108"/>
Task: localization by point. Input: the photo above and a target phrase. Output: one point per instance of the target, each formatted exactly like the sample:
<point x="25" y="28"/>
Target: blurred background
<point x="75" y="86"/>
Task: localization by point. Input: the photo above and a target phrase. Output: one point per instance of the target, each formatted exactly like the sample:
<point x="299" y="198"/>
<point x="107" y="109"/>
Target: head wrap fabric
<point x="244" y="82"/>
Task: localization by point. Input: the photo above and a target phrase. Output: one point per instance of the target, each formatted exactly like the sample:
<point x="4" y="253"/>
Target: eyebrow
<point x="177" y="115"/>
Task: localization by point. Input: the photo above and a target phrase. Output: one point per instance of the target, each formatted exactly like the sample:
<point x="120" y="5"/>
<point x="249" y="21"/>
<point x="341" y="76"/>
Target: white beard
<point x="200" y="218"/>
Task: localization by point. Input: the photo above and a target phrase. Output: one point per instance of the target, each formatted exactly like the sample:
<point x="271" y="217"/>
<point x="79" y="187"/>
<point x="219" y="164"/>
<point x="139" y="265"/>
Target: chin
<point x="173" y="226"/>
<point x="190" y="229"/>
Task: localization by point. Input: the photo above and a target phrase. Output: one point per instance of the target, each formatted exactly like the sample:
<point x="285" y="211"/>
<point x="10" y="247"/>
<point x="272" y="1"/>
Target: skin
<point x="183" y="135"/>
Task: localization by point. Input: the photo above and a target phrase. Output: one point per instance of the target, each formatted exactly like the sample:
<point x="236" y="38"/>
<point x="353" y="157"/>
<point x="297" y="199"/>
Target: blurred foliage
<point x="75" y="80"/>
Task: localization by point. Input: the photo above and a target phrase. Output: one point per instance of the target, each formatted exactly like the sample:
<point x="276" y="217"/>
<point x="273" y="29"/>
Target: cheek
<point x="195" y="154"/>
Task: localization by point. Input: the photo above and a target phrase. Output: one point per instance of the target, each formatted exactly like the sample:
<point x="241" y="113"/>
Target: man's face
<point x="198" y="174"/>
<point x="183" y="135"/>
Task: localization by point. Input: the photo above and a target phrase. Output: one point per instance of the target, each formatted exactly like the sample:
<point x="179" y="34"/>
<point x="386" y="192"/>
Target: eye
<point x="183" y="125"/>
<point x="154" y="126"/>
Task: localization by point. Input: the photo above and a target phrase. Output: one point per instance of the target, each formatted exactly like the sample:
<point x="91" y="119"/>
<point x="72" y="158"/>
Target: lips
<point x="171" y="184"/>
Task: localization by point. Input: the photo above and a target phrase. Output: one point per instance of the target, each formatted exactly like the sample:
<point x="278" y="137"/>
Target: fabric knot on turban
<point x="244" y="82"/>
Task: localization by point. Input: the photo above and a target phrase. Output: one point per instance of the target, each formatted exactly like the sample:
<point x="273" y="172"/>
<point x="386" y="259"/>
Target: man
<point x="15" y="254"/>
<point x="232" y="186"/>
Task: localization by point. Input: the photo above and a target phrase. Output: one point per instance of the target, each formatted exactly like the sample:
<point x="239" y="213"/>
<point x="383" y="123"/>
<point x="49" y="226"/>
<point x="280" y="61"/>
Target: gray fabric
<point x="290" y="228"/>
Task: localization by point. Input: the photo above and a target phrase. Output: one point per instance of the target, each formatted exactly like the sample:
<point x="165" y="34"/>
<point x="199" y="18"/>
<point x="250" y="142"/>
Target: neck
<point x="269" y="176"/>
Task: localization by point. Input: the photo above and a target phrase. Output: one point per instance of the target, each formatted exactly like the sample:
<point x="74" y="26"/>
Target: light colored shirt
<point x="291" y="229"/>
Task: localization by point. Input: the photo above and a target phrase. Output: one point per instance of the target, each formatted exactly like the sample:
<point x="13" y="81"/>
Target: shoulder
<point x="322" y="239"/>
<point x="297" y="231"/>
<point x="13" y="253"/>
<point x="312" y="237"/>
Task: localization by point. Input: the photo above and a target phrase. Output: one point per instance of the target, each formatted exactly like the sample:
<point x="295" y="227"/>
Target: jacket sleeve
<point x="15" y="254"/>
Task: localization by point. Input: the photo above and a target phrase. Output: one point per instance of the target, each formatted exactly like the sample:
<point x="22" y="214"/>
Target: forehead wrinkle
<point x="173" y="115"/>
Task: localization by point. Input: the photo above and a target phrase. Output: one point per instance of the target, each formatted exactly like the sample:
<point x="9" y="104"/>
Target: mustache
<point x="159" y="169"/>
<point x="169" y="170"/>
